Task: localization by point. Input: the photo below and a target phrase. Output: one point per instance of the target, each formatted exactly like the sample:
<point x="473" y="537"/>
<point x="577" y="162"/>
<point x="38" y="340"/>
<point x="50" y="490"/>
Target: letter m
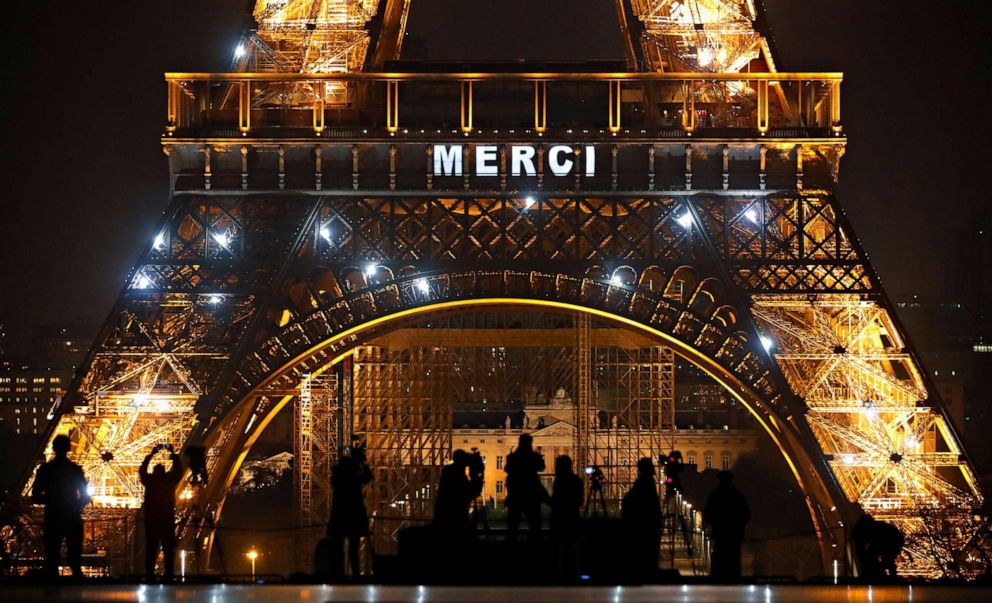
<point x="448" y="160"/>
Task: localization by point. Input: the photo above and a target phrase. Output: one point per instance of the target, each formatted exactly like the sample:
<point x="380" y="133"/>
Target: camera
<point x="596" y="478"/>
<point x="476" y="466"/>
<point x="672" y="465"/>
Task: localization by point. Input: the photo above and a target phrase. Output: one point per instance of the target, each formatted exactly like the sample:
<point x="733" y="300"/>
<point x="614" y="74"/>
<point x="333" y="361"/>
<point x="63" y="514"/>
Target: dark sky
<point x="82" y="107"/>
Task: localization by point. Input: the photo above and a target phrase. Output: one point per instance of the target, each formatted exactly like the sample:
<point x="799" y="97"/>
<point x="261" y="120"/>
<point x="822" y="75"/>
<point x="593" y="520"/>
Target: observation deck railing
<point x="503" y="105"/>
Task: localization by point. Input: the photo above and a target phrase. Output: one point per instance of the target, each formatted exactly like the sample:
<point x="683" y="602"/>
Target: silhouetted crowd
<point x="61" y="487"/>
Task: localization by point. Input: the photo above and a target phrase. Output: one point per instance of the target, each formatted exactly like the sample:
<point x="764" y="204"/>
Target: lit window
<point x="499" y="486"/>
<point x="709" y="461"/>
<point x="725" y="462"/>
<point x="499" y="462"/>
<point x="691" y="459"/>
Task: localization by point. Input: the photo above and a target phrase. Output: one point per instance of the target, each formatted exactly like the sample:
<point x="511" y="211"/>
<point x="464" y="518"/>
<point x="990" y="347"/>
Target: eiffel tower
<point x="324" y="192"/>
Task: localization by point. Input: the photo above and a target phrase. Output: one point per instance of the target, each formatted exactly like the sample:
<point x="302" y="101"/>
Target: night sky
<point x="83" y="103"/>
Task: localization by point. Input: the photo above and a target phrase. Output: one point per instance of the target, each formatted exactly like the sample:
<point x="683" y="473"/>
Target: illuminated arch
<point x="826" y="505"/>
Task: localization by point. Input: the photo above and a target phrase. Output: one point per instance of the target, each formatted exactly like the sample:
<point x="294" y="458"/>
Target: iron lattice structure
<point x="307" y="36"/>
<point x="701" y="35"/>
<point x="296" y="233"/>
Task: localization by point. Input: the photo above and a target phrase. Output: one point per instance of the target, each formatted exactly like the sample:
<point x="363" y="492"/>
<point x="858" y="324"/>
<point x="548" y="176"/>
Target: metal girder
<point x="864" y="404"/>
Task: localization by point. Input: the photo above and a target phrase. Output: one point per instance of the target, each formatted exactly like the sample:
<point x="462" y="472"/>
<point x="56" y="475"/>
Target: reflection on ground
<point x="420" y="594"/>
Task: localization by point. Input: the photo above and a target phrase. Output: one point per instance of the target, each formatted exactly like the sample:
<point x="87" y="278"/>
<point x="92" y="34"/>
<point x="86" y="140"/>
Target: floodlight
<point x="222" y="238"/>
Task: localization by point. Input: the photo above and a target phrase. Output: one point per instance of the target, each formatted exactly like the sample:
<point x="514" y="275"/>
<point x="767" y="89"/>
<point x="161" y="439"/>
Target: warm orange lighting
<point x="252" y="556"/>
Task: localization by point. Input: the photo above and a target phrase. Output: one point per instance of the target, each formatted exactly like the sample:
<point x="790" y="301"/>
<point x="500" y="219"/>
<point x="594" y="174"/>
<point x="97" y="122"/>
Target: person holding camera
<point x="460" y="484"/>
<point x="524" y="492"/>
<point x="349" y="518"/>
<point x="160" y="509"/>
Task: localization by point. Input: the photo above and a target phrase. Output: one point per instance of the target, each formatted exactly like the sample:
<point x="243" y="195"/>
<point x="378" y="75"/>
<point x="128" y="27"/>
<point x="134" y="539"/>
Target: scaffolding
<point x="409" y="382"/>
<point x="635" y="409"/>
<point x="316" y="442"/>
<point x="402" y="415"/>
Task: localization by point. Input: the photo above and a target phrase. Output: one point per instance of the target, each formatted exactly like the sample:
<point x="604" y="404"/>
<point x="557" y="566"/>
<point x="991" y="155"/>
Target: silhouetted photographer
<point x="60" y="485"/>
<point x="160" y="509"/>
<point x="524" y="492"/>
<point x="566" y="517"/>
<point x="349" y="519"/>
<point x="640" y="513"/>
<point x="727" y="513"/>
<point x="877" y="545"/>
<point x="460" y="484"/>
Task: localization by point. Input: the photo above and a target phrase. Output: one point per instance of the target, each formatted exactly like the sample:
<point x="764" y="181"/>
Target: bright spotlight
<point x="912" y="442"/>
<point x="90" y="490"/>
<point x="423" y="286"/>
<point x="685" y="220"/>
<point x="529" y="202"/>
<point x="615" y="280"/>
<point x="871" y="413"/>
<point x="752" y="215"/>
<point x="239" y="51"/>
<point x="140" y="399"/>
<point x="222" y="238"/>
<point x="704" y="56"/>
<point x="766" y="343"/>
<point x="326" y="233"/>
<point x="370" y="270"/>
<point x="159" y="241"/>
<point x="214" y="299"/>
<point x="143" y="282"/>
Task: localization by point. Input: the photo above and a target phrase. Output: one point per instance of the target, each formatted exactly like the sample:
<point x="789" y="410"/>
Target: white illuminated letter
<point x="590" y="160"/>
<point x="485" y="160"/>
<point x="522" y="160"/>
<point x="559" y="167"/>
<point x="447" y="160"/>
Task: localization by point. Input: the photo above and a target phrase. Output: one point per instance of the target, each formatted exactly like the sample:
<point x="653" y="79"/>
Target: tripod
<point x="480" y="515"/>
<point x="674" y="524"/>
<point x="595" y="495"/>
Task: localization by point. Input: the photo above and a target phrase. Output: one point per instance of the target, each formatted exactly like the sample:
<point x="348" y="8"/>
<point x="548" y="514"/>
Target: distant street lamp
<point x="252" y="556"/>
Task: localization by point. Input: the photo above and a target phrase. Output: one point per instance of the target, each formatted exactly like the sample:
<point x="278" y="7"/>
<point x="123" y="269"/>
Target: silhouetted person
<point x="455" y="493"/>
<point x="727" y="513"/>
<point x="349" y="518"/>
<point x="566" y="504"/>
<point x="640" y="513"/>
<point x="524" y="492"/>
<point x="196" y="461"/>
<point x="877" y="545"/>
<point x="60" y="485"/>
<point x="160" y="510"/>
